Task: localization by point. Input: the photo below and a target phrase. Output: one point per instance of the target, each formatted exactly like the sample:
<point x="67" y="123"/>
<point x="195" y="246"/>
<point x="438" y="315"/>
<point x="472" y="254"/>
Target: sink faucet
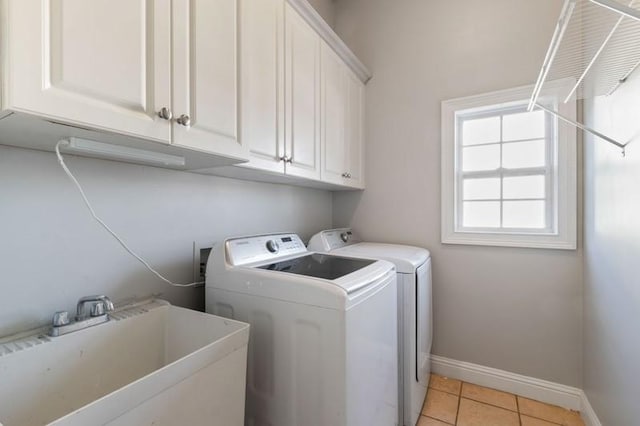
<point x="98" y="314"/>
<point x="101" y="305"/>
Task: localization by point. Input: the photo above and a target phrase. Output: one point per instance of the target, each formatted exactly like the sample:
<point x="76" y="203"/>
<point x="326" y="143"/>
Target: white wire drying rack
<point x="596" y="44"/>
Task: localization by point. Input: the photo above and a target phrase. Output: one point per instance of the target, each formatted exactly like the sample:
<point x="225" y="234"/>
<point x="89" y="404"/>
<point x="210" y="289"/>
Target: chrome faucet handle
<point x="106" y="303"/>
<point x="98" y="309"/>
<point x="61" y="318"/>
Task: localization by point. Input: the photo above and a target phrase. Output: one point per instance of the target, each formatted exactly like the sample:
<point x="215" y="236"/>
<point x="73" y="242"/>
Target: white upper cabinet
<point x="137" y="71"/>
<point x="354" y="132"/>
<point x="302" y="97"/>
<point x="333" y="117"/>
<point x="301" y="104"/>
<point x="217" y="82"/>
<point x="341" y="122"/>
<point x="262" y="83"/>
<point x="205" y="69"/>
<point x="99" y="63"/>
<point x="280" y="89"/>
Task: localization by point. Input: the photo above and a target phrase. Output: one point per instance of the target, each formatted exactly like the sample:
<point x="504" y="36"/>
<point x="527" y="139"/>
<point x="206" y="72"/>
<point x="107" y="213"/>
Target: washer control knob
<point x="273" y="246"/>
<point x="344" y="237"/>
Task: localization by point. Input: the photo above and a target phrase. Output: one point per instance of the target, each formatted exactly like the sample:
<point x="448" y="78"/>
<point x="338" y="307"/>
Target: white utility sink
<point x="153" y="363"/>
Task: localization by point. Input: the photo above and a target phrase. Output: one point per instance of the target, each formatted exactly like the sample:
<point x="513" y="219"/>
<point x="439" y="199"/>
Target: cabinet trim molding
<point x="314" y="19"/>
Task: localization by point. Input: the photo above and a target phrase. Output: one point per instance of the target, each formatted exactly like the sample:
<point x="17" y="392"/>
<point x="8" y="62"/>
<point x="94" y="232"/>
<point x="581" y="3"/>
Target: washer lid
<point x="299" y="278"/>
<point x="319" y="266"/>
<point x="406" y="258"/>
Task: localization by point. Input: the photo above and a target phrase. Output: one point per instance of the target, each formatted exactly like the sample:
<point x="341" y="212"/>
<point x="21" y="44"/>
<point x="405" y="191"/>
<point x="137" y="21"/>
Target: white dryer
<point x="322" y="345"/>
<point x="415" y="329"/>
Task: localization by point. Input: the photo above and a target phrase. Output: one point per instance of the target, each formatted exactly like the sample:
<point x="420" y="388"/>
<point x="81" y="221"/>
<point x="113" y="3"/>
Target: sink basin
<point x="153" y="363"/>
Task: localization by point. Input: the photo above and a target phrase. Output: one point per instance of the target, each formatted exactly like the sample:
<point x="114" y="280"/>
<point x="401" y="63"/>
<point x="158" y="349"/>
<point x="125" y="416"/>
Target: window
<point x="508" y="175"/>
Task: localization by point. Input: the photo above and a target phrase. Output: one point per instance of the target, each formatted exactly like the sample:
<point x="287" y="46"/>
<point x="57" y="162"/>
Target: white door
<point x="205" y="88"/>
<point x="261" y="83"/>
<point x="302" y="96"/>
<point x="333" y="117"/>
<point x="103" y="64"/>
<point x="354" y="132"/>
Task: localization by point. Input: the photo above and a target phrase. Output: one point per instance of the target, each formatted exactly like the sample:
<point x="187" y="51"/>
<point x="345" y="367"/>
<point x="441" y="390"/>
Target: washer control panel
<point x="334" y="238"/>
<point x="245" y="250"/>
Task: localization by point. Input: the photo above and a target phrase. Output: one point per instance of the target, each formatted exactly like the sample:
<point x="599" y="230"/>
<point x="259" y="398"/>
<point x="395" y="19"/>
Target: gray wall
<point x="326" y="9"/>
<point x="612" y="251"/>
<point x="515" y="309"/>
<point x="52" y="252"/>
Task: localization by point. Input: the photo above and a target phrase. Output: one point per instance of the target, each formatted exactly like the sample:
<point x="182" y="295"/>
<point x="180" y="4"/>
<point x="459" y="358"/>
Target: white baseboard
<point x="528" y="387"/>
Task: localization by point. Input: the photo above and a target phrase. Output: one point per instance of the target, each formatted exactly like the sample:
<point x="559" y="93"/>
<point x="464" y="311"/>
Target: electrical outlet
<point x="201" y="251"/>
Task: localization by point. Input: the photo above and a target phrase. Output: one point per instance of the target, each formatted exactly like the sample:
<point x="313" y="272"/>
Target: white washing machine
<point x="415" y="328"/>
<point x="322" y="343"/>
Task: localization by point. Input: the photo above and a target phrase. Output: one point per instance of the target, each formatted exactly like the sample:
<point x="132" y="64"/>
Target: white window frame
<point x="561" y="171"/>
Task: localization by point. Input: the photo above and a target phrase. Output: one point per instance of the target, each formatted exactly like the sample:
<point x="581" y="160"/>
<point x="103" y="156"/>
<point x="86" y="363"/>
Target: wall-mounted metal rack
<point x="596" y="44"/>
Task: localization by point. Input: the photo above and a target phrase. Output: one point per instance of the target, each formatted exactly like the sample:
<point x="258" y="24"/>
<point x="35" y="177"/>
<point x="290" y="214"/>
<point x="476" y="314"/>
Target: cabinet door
<point x="333" y="117"/>
<point x="205" y="88"/>
<point x="302" y="96"/>
<point x="261" y="83"/>
<point x="103" y="64"/>
<point x="354" y="131"/>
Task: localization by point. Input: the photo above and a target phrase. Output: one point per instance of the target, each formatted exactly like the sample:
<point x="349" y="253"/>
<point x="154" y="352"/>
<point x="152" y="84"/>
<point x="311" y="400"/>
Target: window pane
<point x="481" y="214"/>
<point x="482" y="130"/>
<point x="481" y="158"/>
<point x="524" y="214"/>
<point x="481" y="189"/>
<point x="524" y="187"/>
<point x="526" y="125"/>
<point x="523" y="154"/>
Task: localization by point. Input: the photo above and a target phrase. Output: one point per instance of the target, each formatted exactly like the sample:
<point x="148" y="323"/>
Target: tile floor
<point x="452" y="402"/>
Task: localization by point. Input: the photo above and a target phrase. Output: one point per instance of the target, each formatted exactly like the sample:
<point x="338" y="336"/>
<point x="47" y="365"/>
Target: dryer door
<point x="424" y="323"/>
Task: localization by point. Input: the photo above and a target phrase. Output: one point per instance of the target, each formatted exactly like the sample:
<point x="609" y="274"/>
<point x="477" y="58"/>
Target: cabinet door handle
<point x="284" y="158"/>
<point x="165" y="113"/>
<point x="346" y="175"/>
<point x="184" y="120"/>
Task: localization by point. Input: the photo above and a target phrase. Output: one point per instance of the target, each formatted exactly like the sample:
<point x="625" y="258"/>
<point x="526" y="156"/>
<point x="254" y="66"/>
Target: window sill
<point x="554" y="242"/>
